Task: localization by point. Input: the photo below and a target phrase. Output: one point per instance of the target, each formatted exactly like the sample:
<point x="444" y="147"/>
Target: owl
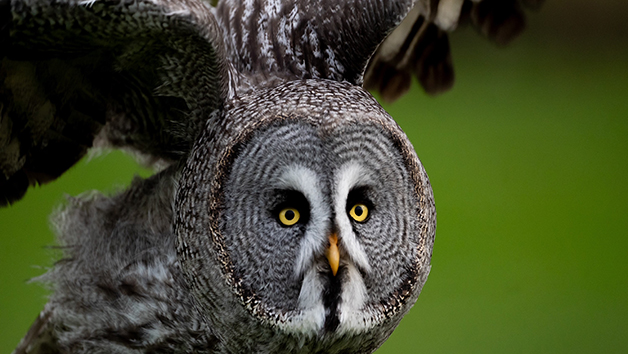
<point x="289" y="213"/>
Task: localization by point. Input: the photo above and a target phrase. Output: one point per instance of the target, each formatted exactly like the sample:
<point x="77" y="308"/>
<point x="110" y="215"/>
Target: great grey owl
<point x="290" y="214"/>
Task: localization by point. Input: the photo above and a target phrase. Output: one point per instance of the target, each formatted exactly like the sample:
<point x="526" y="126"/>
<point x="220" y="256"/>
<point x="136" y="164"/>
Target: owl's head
<point x="315" y="218"/>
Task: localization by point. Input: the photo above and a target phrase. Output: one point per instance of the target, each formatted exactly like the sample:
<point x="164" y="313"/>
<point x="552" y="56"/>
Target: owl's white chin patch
<point x="311" y="317"/>
<point x="352" y="305"/>
<point x="308" y="322"/>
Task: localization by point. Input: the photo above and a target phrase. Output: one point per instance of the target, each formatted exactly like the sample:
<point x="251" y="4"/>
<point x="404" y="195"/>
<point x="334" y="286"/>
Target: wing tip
<point x="498" y="20"/>
<point x="426" y="53"/>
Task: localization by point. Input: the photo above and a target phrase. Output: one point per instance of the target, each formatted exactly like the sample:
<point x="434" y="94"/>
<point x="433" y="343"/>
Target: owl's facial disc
<point x="313" y="228"/>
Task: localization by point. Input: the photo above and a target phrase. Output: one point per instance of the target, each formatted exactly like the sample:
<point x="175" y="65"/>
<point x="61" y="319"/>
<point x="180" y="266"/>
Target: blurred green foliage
<point x="528" y="158"/>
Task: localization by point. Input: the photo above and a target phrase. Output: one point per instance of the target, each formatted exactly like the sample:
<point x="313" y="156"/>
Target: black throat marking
<point x="331" y="300"/>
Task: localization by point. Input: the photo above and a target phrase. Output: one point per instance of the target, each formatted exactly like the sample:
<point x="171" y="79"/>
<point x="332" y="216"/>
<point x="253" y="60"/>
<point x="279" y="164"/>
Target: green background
<point x="528" y="158"/>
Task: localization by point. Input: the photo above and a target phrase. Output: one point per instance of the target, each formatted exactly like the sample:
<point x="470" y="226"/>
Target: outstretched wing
<point x="337" y="40"/>
<point x="420" y="46"/>
<point x="299" y="39"/>
<point x="140" y="74"/>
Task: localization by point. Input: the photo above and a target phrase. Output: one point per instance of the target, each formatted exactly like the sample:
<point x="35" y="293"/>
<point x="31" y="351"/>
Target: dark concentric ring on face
<point x="259" y="185"/>
<point x="260" y="255"/>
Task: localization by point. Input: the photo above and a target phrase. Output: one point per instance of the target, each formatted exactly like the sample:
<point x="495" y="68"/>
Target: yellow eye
<point x="359" y="212"/>
<point x="289" y="216"/>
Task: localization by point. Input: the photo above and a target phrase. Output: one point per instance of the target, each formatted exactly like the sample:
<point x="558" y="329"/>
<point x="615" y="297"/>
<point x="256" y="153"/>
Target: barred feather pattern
<point x="327" y="106"/>
<point x="142" y="270"/>
<point x="419" y="47"/>
<point x="299" y="40"/>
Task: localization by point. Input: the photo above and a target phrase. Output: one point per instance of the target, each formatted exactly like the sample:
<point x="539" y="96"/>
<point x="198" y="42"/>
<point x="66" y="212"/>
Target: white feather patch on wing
<point x="394" y="42"/>
<point x="448" y="14"/>
<point x="87" y="3"/>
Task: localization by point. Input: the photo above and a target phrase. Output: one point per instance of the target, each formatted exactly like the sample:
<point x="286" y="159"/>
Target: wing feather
<point x="136" y="74"/>
<point x="352" y="40"/>
<point x="419" y="47"/>
<point x="296" y="39"/>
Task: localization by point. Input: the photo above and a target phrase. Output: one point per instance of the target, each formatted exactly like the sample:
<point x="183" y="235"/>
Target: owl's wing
<point x="352" y="41"/>
<point x="136" y="74"/>
<point x="301" y="39"/>
<point x="420" y="47"/>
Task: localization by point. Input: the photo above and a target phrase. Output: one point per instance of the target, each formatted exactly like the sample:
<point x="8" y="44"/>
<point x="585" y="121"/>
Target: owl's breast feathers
<point x="118" y="287"/>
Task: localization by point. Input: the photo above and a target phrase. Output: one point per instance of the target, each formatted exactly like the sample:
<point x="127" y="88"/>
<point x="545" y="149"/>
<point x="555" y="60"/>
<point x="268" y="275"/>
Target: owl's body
<point x="293" y="214"/>
<point x="122" y="286"/>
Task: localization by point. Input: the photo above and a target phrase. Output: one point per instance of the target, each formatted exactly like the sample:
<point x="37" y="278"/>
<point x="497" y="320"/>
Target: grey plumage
<point x="253" y="108"/>
<point x="119" y="289"/>
<point x="320" y="118"/>
<point x="111" y="73"/>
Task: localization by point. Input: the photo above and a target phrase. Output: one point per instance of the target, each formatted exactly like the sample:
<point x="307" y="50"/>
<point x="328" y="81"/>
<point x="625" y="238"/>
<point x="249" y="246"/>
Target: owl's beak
<point x="332" y="253"/>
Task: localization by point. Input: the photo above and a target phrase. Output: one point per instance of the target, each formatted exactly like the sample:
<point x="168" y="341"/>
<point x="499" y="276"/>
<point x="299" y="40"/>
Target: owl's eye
<point x="289" y="216"/>
<point x="359" y="212"/>
<point x="290" y="207"/>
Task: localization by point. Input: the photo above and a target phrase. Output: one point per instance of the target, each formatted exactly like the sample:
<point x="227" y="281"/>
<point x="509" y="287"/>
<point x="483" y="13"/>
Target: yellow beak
<point x="333" y="255"/>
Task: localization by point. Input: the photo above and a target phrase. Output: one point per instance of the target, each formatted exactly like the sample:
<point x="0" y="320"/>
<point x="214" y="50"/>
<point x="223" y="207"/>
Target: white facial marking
<point x="304" y="180"/>
<point x="354" y="295"/>
<point x="311" y="317"/>
<point x="349" y="176"/>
